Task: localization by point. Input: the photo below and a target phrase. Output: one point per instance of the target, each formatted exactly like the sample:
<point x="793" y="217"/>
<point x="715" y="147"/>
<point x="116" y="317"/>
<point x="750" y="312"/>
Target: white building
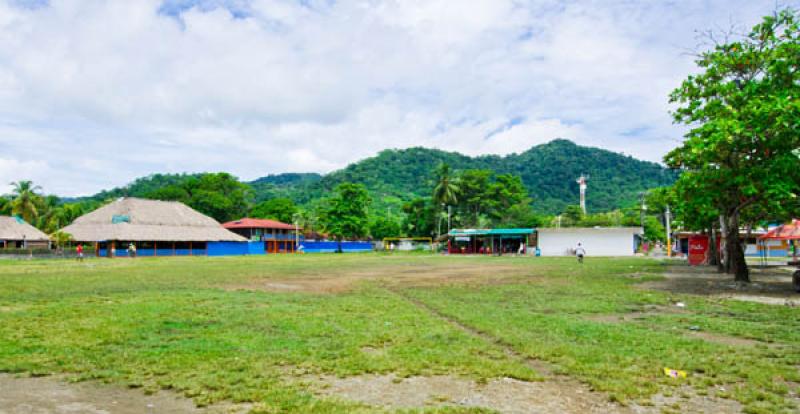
<point x="598" y="241"/>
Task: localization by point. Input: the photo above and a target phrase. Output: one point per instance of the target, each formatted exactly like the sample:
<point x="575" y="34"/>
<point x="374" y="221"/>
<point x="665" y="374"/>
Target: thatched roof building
<point x="140" y="220"/>
<point x="14" y="232"/>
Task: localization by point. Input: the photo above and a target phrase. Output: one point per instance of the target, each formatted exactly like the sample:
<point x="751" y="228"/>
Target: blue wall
<point x="234" y="248"/>
<point x="214" y="249"/>
<point x="331" y="246"/>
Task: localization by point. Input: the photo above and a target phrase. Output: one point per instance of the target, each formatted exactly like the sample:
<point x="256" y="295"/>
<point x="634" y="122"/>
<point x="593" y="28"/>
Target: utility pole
<point x="448" y="218"/>
<point x="643" y="209"/>
<point x="582" y="185"/>
<point x="669" y="232"/>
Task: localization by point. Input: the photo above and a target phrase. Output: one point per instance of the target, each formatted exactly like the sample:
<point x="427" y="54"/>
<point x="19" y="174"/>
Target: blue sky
<point x="95" y="93"/>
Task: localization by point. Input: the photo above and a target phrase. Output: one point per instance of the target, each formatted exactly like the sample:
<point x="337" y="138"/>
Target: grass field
<point x="255" y="329"/>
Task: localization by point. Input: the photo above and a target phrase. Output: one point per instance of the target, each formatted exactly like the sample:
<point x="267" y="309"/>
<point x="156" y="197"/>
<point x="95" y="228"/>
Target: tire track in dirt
<point x="571" y="395"/>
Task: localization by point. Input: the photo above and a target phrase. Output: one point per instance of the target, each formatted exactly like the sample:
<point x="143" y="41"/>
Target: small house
<point x="15" y="233"/>
<point x="278" y="237"/>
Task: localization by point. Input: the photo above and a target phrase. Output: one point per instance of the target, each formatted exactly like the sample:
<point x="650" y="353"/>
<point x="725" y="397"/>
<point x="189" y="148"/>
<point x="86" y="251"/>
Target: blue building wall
<point x="331" y="246"/>
<point x="235" y="248"/>
<point x="214" y="249"/>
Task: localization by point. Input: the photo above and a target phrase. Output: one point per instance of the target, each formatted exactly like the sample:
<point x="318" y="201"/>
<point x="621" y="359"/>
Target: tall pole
<point x="448" y="219"/>
<point x="582" y="185"/>
<point x="669" y="232"/>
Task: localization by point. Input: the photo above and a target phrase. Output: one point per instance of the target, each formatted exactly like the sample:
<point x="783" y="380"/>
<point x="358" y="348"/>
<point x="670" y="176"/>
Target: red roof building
<point x="278" y="237"/>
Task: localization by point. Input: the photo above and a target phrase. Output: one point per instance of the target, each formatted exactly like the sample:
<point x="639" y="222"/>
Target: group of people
<point x="131" y="251"/>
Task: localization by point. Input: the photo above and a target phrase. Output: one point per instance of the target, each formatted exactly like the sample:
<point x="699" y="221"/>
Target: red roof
<point x="789" y="231"/>
<point x="251" y="223"/>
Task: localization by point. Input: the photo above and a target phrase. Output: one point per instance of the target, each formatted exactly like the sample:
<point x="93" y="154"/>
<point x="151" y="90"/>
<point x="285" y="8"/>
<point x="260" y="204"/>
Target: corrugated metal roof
<point x="251" y="223"/>
<point x="489" y="232"/>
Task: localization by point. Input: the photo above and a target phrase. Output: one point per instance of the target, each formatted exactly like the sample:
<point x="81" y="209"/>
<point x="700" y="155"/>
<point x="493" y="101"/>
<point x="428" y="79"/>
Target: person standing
<point x="79" y="251"/>
<point x="580" y="252"/>
<point x="132" y="250"/>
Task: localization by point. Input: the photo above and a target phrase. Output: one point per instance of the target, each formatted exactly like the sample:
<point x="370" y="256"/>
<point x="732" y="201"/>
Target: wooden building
<point x="15" y="233"/>
<point x="278" y="237"/>
<point x="156" y="228"/>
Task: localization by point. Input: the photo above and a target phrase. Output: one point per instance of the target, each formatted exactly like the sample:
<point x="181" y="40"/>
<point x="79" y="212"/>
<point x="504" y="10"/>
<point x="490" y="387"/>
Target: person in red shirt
<point x="79" y="250"/>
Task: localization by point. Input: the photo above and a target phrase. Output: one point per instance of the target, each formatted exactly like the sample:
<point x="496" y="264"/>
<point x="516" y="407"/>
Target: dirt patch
<point x="685" y="400"/>
<point x="767" y="300"/>
<point x="45" y="395"/>
<point x="661" y="310"/>
<point x="394" y="276"/>
<point x="770" y="282"/>
<point x="505" y="395"/>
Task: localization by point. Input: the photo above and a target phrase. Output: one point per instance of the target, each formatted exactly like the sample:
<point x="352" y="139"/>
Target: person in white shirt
<point x="580" y="252"/>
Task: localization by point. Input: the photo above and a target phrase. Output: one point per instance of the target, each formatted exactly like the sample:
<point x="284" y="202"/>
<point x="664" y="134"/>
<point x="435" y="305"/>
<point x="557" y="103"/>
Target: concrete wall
<point x="331" y="246"/>
<point x="596" y="241"/>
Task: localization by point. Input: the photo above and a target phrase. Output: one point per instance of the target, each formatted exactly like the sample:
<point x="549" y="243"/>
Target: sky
<point x="95" y="93"/>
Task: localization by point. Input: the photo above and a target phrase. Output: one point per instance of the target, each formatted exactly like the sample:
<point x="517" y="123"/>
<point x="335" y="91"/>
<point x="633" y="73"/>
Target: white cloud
<point x="94" y="93"/>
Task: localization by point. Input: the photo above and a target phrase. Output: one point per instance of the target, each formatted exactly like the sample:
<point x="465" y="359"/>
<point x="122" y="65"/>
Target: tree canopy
<point x="281" y="209"/>
<point x="744" y="113"/>
<point x="346" y="212"/>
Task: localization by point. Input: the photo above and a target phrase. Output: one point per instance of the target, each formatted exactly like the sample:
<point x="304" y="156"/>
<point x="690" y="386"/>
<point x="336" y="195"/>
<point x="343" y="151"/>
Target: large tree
<point x="420" y="216"/>
<point x="281" y="209"/>
<point x="744" y="113"/>
<point x="446" y="191"/>
<point x="219" y="195"/>
<point x="345" y="215"/>
<point x="27" y="201"/>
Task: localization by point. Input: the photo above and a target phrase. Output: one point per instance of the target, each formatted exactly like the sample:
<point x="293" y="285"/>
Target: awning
<point x="790" y="231"/>
<point x="489" y="232"/>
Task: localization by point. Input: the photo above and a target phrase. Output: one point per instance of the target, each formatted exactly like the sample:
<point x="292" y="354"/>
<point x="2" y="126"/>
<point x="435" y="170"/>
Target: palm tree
<point x="446" y="191"/>
<point x="25" y="200"/>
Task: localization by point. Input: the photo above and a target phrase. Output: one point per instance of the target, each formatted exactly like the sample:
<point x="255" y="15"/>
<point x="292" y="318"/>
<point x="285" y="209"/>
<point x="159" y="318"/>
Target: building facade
<point x="278" y="237"/>
<point x="597" y="241"/>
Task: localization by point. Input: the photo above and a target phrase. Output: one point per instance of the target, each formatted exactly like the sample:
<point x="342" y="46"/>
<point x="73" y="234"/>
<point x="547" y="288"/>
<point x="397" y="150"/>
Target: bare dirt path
<point x="771" y="285"/>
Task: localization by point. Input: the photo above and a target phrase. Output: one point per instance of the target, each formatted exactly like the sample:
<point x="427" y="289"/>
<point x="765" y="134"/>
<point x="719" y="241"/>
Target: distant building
<point x="278" y="237"/>
<point x="597" y="241"/>
<point x="15" y="233"/>
<point x="490" y="241"/>
<point x="156" y="228"/>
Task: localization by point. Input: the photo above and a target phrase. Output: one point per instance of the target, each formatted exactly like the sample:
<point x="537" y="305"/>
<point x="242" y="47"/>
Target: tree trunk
<point x="724" y="259"/>
<point x="733" y="245"/>
<point x="713" y="254"/>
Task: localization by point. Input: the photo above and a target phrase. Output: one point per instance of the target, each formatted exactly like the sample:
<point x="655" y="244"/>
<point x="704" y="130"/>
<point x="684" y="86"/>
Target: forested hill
<point x="395" y="176"/>
<point x="549" y="171"/>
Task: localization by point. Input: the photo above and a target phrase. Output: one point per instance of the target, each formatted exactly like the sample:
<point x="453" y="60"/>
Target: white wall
<point x="596" y="241"/>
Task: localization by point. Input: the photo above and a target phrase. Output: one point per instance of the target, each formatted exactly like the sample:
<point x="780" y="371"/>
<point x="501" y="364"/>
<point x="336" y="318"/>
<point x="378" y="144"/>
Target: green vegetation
<point x="346" y="213"/>
<point x="394" y="177"/>
<point x="220" y="195"/>
<point x="48" y="213"/>
<point x="741" y="156"/>
<point x="281" y="209"/>
<point x="203" y="327"/>
<point x="548" y="172"/>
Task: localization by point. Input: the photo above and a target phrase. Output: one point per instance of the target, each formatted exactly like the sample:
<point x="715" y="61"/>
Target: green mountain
<point x="548" y="171"/>
<point x="392" y="177"/>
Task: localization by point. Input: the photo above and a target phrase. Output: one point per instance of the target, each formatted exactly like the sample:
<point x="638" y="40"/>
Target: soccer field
<point x="382" y="332"/>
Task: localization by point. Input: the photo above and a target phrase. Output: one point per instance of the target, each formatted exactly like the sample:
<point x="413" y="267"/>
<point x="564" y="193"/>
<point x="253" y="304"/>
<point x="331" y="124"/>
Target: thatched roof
<point x="136" y="219"/>
<point x="13" y="228"/>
